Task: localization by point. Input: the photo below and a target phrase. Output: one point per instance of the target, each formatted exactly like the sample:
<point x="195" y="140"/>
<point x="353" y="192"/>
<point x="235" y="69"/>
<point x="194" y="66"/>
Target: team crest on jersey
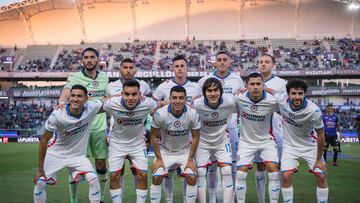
<point x="130" y="113"/>
<point x="215" y="114"/>
<point x="177" y="124"/>
<point x="291" y="115"/>
<point x="95" y="83"/>
<point x="254" y="108"/>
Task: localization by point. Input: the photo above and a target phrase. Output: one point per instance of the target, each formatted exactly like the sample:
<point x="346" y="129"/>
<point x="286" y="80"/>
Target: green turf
<point x="18" y="163"/>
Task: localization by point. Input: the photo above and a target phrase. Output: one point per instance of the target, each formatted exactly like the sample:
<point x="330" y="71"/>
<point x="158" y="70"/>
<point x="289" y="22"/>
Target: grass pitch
<point x="18" y="163"/>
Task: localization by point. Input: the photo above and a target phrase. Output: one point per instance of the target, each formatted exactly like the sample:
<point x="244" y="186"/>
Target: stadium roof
<point x="8" y="2"/>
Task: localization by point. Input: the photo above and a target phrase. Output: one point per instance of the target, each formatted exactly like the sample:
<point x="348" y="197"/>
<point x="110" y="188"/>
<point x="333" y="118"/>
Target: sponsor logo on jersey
<point x="77" y="124"/>
<point x="253" y="117"/>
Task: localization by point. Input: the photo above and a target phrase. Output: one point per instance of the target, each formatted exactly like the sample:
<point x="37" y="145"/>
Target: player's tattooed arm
<point x="42" y="152"/>
<point x="195" y="134"/>
<point x="154" y="137"/>
<point x="320" y="149"/>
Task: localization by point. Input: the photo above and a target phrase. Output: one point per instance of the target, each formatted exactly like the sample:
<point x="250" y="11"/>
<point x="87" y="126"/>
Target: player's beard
<point x="297" y="103"/>
<point x="93" y="67"/>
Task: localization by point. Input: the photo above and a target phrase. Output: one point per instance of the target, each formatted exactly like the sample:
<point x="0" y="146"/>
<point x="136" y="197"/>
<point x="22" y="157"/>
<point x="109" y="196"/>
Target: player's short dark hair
<point x="126" y="60"/>
<point x="222" y="52"/>
<point x="296" y="83"/>
<point x="179" y="57"/>
<point x="329" y="106"/>
<point x="90" y="49"/>
<point x="269" y="55"/>
<point x="178" y="89"/>
<point x="79" y="87"/>
<point x="210" y="82"/>
<point x="254" y="75"/>
<point x="131" y="83"/>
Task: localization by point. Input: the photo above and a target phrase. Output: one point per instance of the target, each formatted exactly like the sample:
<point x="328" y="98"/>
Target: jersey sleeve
<point x="95" y="105"/>
<point x="233" y="103"/>
<point x="195" y="123"/>
<point x="241" y="83"/>
<point x="199" y="91"/>
<point x="201" y="81"/>
<point x="238" y="102"/>
<point x="107" y="91"/>
<point x="281" y="97"/>
<point x="145" y="89"/>
<point x="107" y="105"/>
<point x="71" y="81"/>
<point x="283" y="87"/>
<point x="156" y="121"/>
<point x="51" y="123"/>
<point x="151" y="103"/>
<point x="317" y="119"/>
<point x="158" y="94"/>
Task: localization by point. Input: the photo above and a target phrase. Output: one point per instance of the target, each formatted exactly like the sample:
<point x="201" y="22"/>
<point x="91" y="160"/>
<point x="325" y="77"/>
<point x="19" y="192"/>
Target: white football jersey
<point x="162" y="92"/>
<point x="71" y="133"/>
<point x="299" y="124"/>
<point x="231" y="84"/>
<point x="175" y="131"/>
<point x="256" y="118"/>
<point x="116" y="87"/>
<point x="214" y="121"/>
<point x="279" y="85"/>
<point x="276" y="83"/>
<point x="129" y="125"/>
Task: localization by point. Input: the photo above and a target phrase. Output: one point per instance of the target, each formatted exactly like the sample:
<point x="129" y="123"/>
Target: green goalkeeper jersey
<point x="96" y="90"/>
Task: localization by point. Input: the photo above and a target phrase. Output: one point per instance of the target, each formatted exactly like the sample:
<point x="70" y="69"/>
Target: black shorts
<point x="330" y="141"/>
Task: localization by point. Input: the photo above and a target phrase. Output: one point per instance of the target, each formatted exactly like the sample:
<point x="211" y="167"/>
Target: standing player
<point x="179" y="67"/>
<point x="301" y="118"/>
<point x="127" y="71"/>
<point x="162" y="92"/>
<point x="175" y="122"/>
<point x="95" y="83"/>
<point x="68" y="147"/>
<point x="331" y="124"/>
<point x="231" y="84"/>
<point x="256" y="109"/>
<point x="215" y="110"/>
<point x="127" y="138"/>
<point x="266" y="67"/>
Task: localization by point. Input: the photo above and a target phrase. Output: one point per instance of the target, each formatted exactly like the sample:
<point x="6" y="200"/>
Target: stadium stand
<point x="290" y="54"/>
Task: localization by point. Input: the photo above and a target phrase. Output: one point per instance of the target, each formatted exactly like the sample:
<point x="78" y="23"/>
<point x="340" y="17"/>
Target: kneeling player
<point x="68" y="147"/>
<point x="174" y="122"/>
<point x="301" y="117"/>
